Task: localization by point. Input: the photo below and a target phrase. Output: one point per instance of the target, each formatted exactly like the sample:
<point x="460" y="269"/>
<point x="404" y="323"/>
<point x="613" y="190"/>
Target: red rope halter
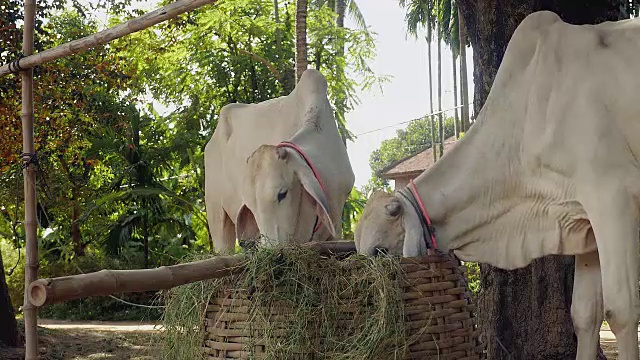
<point x="313" y="169"/>
<point x="424" y="212"/>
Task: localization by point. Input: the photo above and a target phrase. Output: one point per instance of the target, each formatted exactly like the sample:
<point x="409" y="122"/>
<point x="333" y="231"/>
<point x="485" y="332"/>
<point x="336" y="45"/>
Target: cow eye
<point x="282" y="194"/>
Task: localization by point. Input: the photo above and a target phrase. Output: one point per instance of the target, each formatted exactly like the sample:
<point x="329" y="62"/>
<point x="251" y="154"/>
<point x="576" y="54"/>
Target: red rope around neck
<point x="424" y="212"/>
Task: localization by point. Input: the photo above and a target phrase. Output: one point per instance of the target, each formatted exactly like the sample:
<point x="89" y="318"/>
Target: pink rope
<point x="424" y="212"/>
<point x="313" y="169"/>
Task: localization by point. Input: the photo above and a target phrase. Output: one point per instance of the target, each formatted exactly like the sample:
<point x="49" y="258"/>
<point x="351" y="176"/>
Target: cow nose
<point x="380" y="251"/>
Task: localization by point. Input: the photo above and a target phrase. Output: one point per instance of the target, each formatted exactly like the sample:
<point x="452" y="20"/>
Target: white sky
<point x="405" y="97"/>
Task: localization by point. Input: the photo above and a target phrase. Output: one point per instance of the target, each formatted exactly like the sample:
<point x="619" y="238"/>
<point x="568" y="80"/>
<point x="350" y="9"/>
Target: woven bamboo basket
<point x="438" y="314"/>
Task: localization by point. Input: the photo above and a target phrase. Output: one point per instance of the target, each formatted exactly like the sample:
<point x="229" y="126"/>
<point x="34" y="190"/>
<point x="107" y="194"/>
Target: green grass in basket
<point x="316" y="290"/>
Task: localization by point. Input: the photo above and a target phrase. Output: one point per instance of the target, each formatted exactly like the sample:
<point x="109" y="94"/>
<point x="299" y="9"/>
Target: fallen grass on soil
<point x="339" y="309"/>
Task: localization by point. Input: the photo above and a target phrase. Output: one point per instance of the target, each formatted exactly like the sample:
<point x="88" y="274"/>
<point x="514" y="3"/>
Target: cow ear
<point x="246" y="225"/>
<point x="312" y="187"/>
<point x="393" y="208"/>
<point x="414" y="244"/>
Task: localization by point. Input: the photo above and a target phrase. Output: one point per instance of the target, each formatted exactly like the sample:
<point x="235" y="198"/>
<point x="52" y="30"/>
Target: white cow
<point x="256" y="183"/>
<point x="550" y="167"/>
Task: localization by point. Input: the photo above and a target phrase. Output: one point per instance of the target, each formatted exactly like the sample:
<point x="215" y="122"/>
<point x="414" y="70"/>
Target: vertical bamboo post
<point x="29" y="173"/>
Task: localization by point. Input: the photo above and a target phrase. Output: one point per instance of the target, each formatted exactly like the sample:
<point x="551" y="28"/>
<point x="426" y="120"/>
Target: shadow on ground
<point x="84" y="345"/>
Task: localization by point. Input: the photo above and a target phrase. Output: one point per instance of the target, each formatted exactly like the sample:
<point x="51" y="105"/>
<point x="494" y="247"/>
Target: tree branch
<point x="262" y="60"/>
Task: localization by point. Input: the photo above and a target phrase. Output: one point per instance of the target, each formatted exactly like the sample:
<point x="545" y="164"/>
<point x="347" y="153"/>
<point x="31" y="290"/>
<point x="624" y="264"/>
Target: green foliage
<point x="241" y="61"/>
<point x="95" y="308"/>
<point x="419" y="14"/>
<point x="14" y="272"/>
<point x="351" y="212"/>
<point x="106" y="308"/>
<point x="407" y="142"/>
<point x="473" y="277"/>
<point x="76" y="99"/>
<point x="426" y="14"/>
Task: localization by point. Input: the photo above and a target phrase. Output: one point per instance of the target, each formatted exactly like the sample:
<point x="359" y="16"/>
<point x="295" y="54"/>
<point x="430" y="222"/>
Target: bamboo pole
<point x="339" y="247"/>
<point x="106" y="282"/>
<point x="134" y="25"/>
<point x="29" y="175"/>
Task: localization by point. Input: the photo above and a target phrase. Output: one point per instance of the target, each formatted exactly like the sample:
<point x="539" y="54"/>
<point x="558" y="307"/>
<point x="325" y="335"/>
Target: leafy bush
<point x="94" y="308"/>
<point x="105" y="308"/>
<point x="14" y="273"/>
<point x="473" y="276"/>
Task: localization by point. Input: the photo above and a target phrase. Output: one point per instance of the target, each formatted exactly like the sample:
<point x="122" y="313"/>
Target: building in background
<point x="410" y="167"/>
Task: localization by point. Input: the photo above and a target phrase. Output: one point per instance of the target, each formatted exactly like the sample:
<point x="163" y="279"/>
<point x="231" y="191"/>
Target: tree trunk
<point x="145" y="240"/>
<point x="276" y="18"/>
<point x="524" y="314"/>
<point x="456" y="120"/>
<point x="433" y="133"/>
<point x="341" y="101"/>
<point x="301" y="38"/>
<point x="9" y="335"/>
<point x="465" y="122"/>
<point x="341" y="7"/>
<point x="76" y="236"/>
<point x="440" y="123"/>
<point x="491" y="23"/>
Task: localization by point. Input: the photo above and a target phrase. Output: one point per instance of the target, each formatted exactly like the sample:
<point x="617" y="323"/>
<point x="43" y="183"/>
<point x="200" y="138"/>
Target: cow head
<point x="283" y="201"/>
<point x="389" y="225"/>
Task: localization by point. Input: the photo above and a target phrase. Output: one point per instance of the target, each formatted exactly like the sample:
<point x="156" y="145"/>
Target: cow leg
<point x="222" y="230"/>
<point x="613" y="216"/>
<point x="586" y="306"/>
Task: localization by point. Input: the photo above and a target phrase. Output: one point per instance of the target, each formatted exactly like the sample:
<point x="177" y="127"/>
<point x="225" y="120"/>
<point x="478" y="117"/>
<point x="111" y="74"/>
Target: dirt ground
<point x="63" y="340"/>
<point x="608" y="342"/>
<point x="68" y="340"/>
<point x="609" y="348"/>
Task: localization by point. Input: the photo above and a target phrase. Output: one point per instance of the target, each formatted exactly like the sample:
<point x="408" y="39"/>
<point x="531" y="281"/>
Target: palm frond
<point x="444" y="17"/>
<point x="317" y="4"/>
<point x="121" y="232"/>
<point x="356" y="14"/>
<point x="419" y="15"/>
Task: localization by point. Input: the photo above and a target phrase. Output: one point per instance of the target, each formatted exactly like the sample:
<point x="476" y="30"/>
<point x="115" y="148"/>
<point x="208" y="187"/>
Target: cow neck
<point x="309" y="163"/>
<point x="412" y="196"/>
<point x="459" y="189"/>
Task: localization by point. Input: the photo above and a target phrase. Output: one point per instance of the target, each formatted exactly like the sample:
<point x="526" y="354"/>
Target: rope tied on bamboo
<point x="15" y="67"/>
<point x="28" y="159"/>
